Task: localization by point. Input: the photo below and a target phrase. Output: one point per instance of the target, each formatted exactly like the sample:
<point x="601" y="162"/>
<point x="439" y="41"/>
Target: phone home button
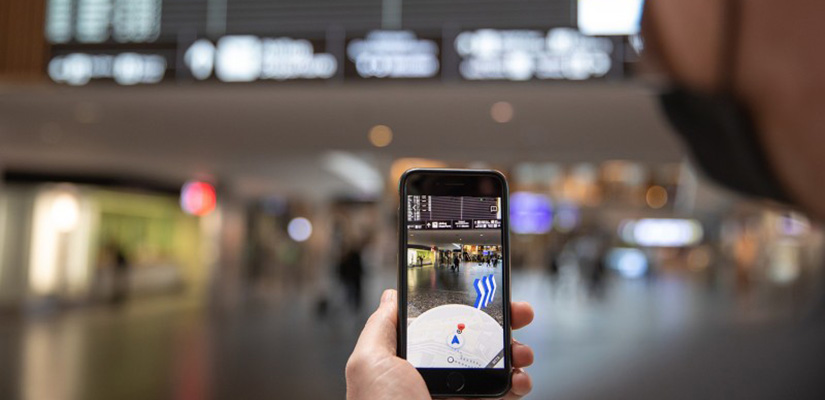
<point x="455" y="381"/>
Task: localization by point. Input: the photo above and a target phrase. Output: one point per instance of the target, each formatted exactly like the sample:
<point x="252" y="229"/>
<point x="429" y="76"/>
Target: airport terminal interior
<point x="199" y="198"/>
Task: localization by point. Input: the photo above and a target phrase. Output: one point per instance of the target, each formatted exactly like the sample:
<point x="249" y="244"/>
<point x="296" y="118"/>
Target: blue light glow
<point x="630" y="263"/>
<point x="530" y="213"/>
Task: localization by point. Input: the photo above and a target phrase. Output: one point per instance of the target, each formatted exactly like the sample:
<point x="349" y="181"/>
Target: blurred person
<point x="373" y="370"/>
<point x="120" y="272"/>
<point x="596" y="278"/>
<point x="336" y="245"/>
<point x="351" y="272"/>
<point x="553" y="265"/>
<point x="261" y="253"/>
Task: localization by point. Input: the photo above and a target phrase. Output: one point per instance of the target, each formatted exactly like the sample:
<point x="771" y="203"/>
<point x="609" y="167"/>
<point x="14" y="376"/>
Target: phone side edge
<point x="401" y="282"/>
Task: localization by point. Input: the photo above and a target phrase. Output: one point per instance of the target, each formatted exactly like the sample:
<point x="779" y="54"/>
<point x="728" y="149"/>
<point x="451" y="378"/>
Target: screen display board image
<point x="454" y="261"/>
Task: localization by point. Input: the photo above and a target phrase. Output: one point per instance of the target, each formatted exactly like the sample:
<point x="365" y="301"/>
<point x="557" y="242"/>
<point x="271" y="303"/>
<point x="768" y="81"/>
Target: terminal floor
<point x="435" y="286"/>
<point x="265" y="347"/>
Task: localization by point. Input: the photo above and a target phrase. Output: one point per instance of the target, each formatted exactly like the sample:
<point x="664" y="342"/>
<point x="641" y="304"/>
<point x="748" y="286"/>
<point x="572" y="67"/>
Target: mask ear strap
<point x="729" y="44"/>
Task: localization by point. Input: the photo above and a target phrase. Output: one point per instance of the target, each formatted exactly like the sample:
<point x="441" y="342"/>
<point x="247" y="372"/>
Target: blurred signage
<point x="97" y="21"/>
<point x="609" y="17"/>
<point x="394" y="54"/>
<point x="530" y="213"/>
<point x="439" y="225"/>
<point x="416" y="205"/>
<point x="661" y="232"/>
<point x="520" y="55"/>
<point x="486" y="224"/>
<point x="125" y="68"/>
<point x="197" y="198"/>
<point x="462" y="224"/>
<point x="122" y="41"/>
<point x="250" y="58"/>
<point x="233" y="59"/>
<point x="456" y="224"/>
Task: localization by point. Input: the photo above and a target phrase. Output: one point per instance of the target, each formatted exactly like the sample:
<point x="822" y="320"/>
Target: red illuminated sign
<point x="197" y="198"/>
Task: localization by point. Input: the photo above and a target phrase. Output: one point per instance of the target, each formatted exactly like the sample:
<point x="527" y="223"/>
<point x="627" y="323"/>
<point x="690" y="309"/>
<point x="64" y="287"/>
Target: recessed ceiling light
<point x="380" y="136"/>
<point x="502" y="112"/>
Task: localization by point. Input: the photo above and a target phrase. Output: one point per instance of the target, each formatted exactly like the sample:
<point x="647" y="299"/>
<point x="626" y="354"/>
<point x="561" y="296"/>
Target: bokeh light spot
<point x="299" y="229"/>
<point x="502" y="112"/>
<point x="197" y="198"/>
<point x="380" y="135"/>
<point x="656" y="197"/>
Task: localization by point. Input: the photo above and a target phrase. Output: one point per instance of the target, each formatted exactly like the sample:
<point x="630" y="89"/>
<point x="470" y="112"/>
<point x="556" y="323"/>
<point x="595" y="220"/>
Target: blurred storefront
<point x="419" y="256"/>
<point x="76" y="244"/>
<point x="637" y="221"/>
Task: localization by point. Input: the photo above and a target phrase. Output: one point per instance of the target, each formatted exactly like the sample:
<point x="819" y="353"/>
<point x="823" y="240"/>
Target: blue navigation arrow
<point x="485" y="290"/>
<point x="493" y="284"/>
<point x="488" y="299"/>
<point x="481" y="292"/>
<point x="455" y="340"/>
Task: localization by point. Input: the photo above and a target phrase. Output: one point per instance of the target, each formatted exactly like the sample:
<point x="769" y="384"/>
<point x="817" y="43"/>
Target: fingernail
<point x="388" y="296"/>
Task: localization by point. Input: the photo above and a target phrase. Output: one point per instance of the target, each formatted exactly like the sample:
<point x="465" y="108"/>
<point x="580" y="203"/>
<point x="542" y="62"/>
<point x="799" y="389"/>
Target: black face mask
<point x="718" y="128"/>
<point x="723" y="140"/>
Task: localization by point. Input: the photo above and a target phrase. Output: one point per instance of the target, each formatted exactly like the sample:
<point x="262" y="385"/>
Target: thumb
<point x="379" y="334"/>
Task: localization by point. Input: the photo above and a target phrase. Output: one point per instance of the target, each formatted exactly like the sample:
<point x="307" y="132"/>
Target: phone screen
<point x="454" y="264"/>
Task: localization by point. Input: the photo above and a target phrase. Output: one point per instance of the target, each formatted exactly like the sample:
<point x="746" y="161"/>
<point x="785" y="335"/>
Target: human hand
<point x="375" y="372"/>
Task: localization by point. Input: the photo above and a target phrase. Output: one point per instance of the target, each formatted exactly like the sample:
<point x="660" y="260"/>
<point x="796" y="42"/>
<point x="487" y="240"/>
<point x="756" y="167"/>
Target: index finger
<point x="379" y="335"/>
<point x="522" y="314"/>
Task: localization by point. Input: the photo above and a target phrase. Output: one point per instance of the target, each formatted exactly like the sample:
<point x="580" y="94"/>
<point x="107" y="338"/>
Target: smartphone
<point x="454" y="280"/>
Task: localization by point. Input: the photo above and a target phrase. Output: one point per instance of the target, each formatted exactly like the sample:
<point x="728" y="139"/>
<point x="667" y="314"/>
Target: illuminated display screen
<point x="609" y="17"/>
<point x="394" y="54"/>
<point x="520" y="55"/>
<point x="122" y="67"/>
<point x="455" y="258"/>
<point x="530" y="213"/>
<point x="247" y="58"/>
<point x="132" y="42"/>
<point x="98" y="21"/>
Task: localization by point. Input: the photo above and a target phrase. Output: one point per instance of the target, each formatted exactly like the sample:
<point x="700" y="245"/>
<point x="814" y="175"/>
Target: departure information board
<point x="99" y="21"/>
<point x="453" y="212"/>
<point x="131" y="42"/>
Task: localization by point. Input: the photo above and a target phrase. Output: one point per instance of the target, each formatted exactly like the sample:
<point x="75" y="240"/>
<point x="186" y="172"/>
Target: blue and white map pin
<point x="455" y="340"/>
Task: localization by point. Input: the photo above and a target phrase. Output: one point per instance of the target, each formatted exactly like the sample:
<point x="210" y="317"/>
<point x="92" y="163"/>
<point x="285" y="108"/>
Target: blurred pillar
<point x="16" y="208"/>
<point x="216" y="18"/>
<point x="22" y="40"/>
<point x="391" y="14"/>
